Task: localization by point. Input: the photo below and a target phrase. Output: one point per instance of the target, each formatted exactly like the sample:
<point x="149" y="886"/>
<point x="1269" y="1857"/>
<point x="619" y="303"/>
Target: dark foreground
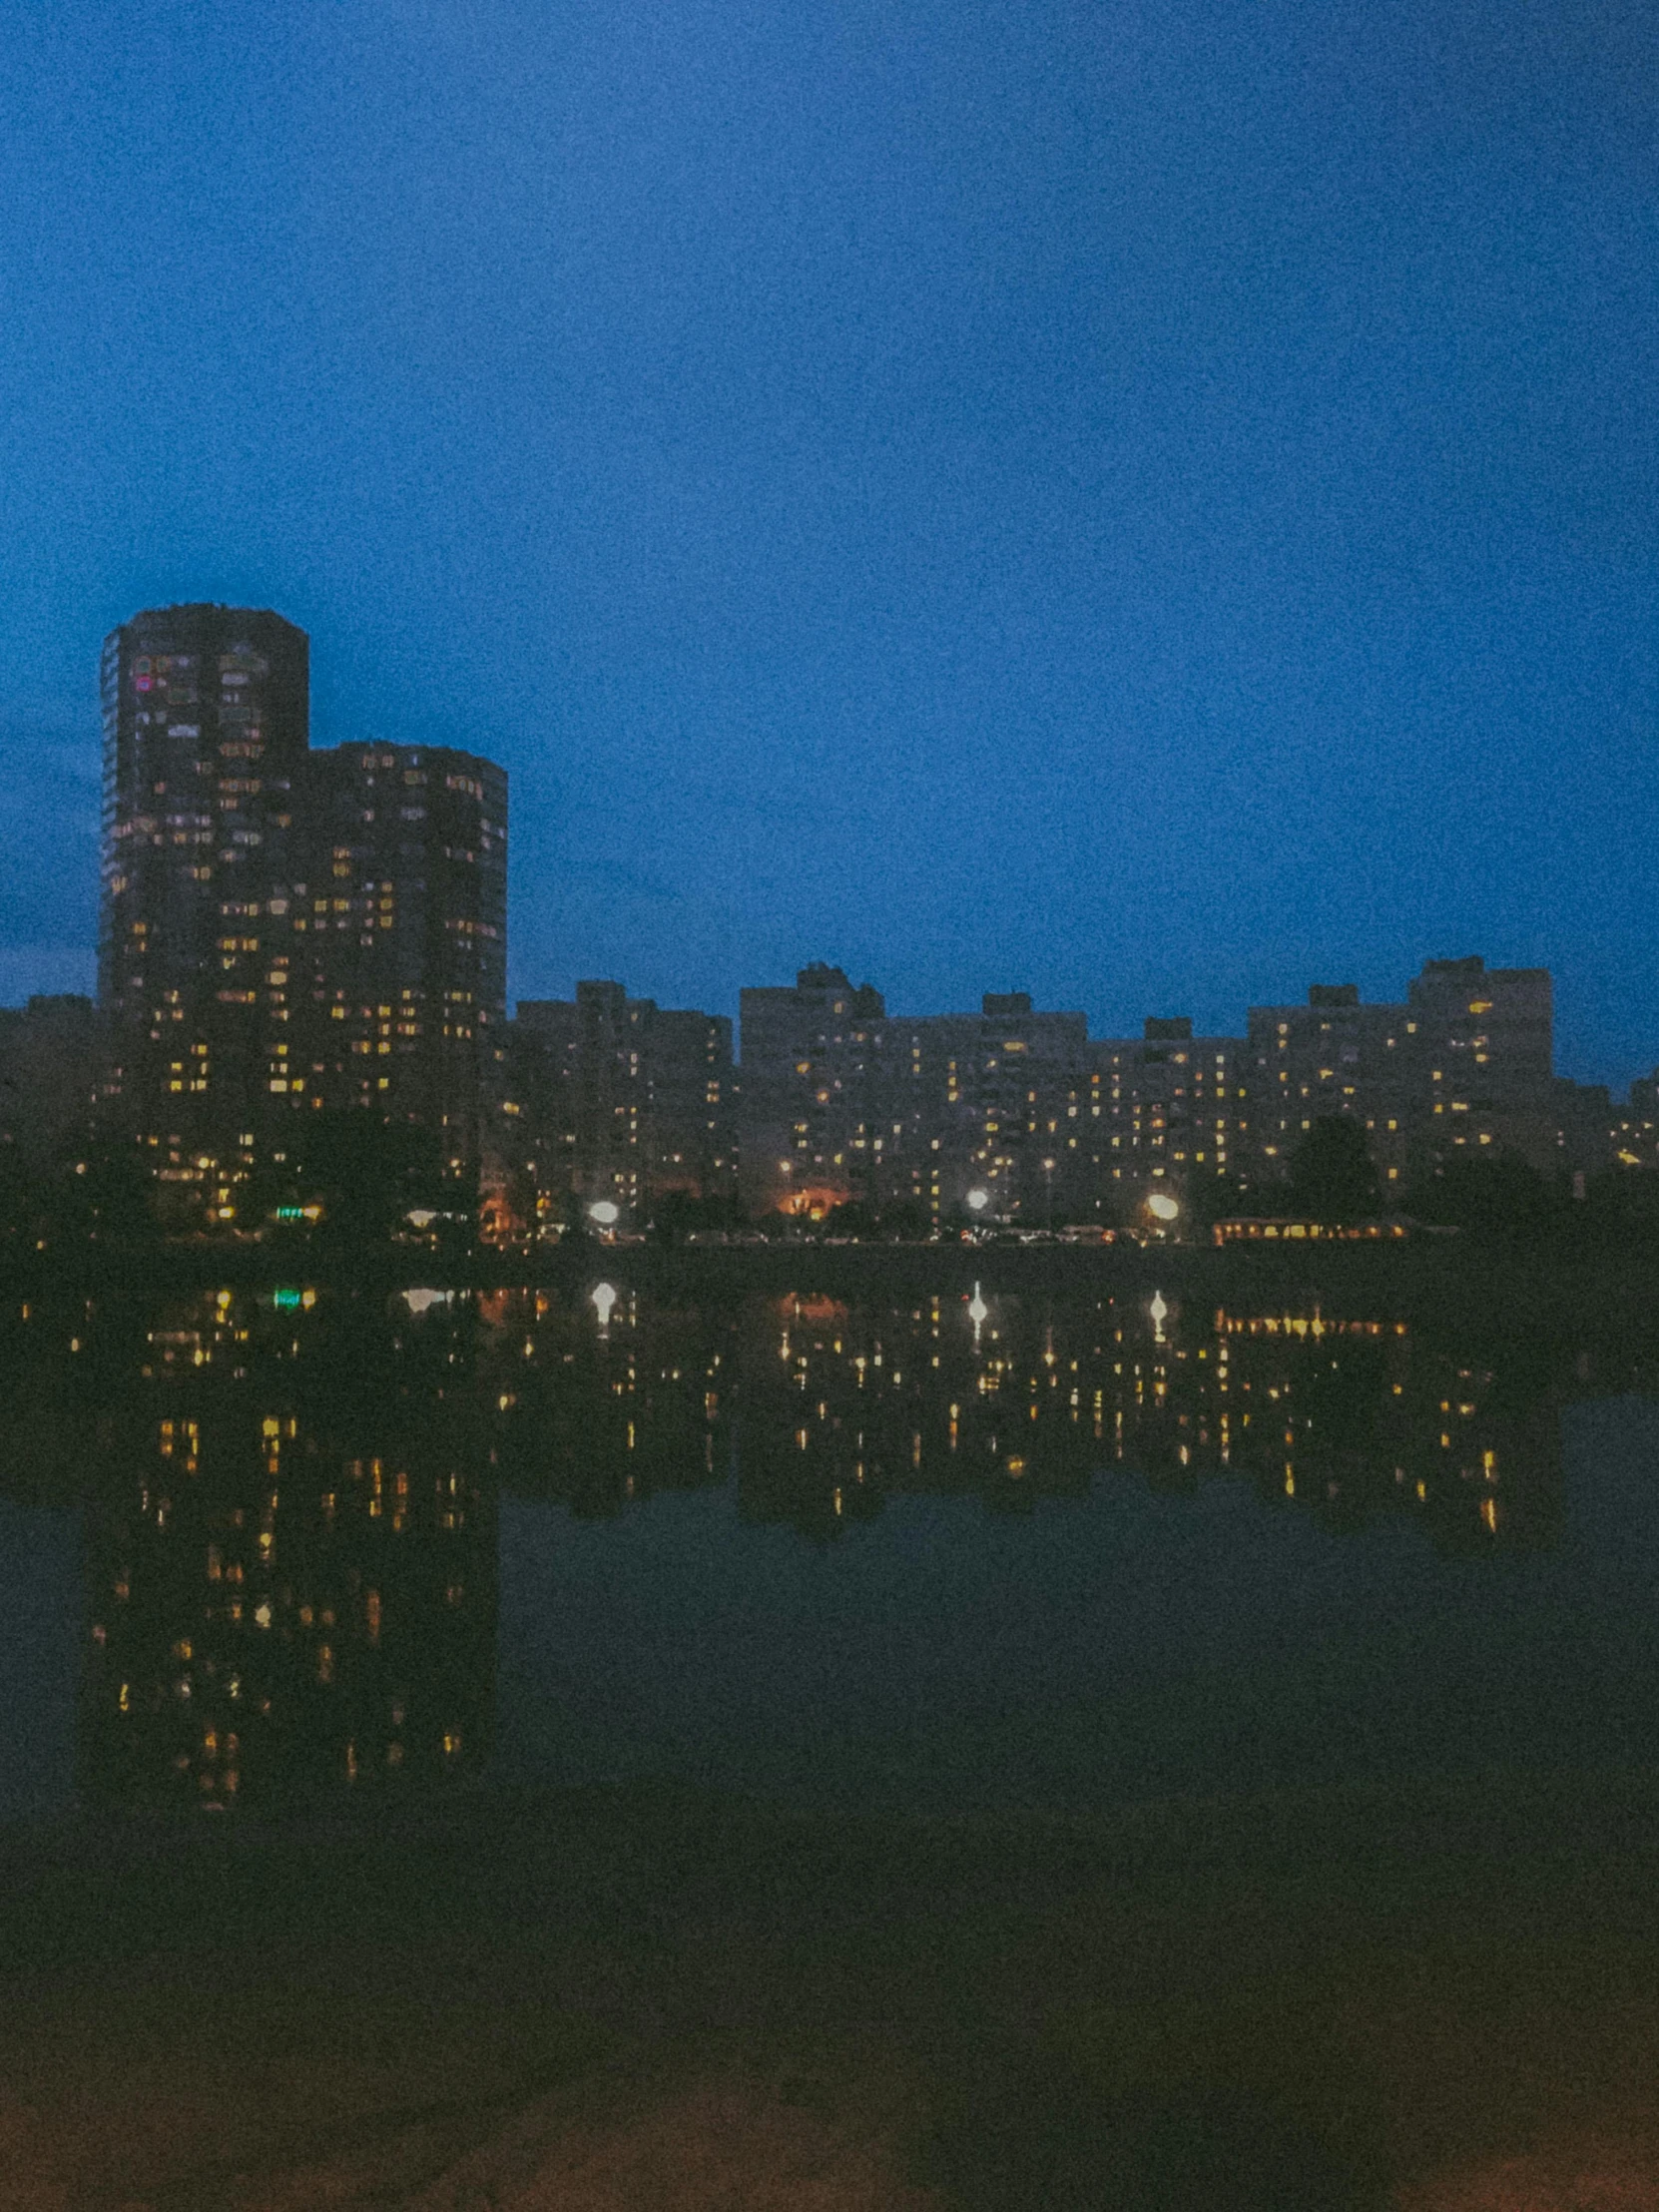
<point x="1431" y="1998"/>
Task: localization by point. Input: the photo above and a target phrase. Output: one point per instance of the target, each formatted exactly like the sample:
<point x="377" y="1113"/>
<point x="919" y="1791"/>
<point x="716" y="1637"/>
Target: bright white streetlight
<point x="978" y="1200"/>
<point x="1162" y="1207"/>
<point x="604" y="1298"/>
<point x="605" y="1212"/>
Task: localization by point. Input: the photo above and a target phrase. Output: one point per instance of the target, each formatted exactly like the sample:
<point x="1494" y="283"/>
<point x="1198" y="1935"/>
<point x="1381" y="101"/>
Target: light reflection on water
<point x="959" y="1551"/>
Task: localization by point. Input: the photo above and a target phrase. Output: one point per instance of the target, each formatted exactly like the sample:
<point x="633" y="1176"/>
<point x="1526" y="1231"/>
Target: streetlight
<point x="1162" y="1207"/>
<point x="604" y="1298"/>
<point x="605" y="1212"/>
<point x="978" y="1200"/>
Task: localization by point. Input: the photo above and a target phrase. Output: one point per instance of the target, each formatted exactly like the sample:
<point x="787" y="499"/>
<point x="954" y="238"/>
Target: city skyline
<point x="1109" y="998"/>
<point x="286" y="928"/>
<point x="1196" y="992"/>
<point x="829" y="1102"/>
<point x="1120" y="504"/>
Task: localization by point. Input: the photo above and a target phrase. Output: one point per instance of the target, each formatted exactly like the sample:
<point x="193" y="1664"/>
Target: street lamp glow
<point x="605" y="1212"/>
<point x="978" y="1200"/>
<point x="1162" y="1207"/>
<point x="604" y="1298"/>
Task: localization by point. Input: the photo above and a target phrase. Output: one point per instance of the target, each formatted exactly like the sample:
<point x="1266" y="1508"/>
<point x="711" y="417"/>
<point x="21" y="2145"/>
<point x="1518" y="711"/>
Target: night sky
<point x="1152" y="504"/>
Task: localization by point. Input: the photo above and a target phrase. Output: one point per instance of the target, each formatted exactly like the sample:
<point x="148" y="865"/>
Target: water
<point x="262" y="1550"/>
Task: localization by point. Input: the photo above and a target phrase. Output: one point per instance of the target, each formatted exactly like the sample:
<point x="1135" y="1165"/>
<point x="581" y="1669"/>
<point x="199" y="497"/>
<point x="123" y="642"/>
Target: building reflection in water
<point x="821" y="1409"/>
<point x="290" y="1560"/>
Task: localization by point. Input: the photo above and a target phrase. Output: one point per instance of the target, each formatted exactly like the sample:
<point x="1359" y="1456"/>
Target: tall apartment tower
<point x="206" y="730"/>
<point x="398" y="940"/>
<point x="283" y="929"/>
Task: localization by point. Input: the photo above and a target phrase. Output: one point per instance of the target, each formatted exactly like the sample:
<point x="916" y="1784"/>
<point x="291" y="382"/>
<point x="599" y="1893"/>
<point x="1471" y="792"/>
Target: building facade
<point x="398" y="940"/>
<point x="1335" y="1057"/>
<point x="205" y="735"/>
<point x="1163" y="1111"/>
<point x="51" y="1072"/>
<point x="620" y="1099"/>
<point x="1486" y="1059"/>
<point x="979" y="1103"/>
<point x="1463" y="1064"/>
<point x="1040" y="1125"/>
<point x="283" y="929"/>
<point x="1013" y="1111"/>
<point x="812" y="1078"/>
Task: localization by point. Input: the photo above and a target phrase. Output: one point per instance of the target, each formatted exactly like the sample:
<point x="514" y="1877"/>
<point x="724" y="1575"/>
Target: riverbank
<point x="1436" y="1997"/>
<point x="1522" y="1287"/>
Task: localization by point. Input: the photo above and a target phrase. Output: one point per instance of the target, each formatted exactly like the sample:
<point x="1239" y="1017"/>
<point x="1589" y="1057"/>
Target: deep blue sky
<point x="1155" y="504"/>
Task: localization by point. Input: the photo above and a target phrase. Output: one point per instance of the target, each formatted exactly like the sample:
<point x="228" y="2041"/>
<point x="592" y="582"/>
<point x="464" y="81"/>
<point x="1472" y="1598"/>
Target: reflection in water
<point x="291" y="1565"/>
<point x="291" y="1561"/>
<point x="833" y="1407"/>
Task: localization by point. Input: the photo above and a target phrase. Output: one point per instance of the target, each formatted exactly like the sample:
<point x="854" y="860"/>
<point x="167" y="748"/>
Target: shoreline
<point x="1456" y="1284"/>
<point x="608" y="1988"/>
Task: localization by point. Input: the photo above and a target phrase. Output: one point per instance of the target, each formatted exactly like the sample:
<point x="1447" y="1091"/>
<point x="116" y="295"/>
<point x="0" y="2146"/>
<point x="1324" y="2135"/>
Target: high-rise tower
<point x="205" y="714"/>
<point x="398" y="935"/>
<point x="285" y="930"/>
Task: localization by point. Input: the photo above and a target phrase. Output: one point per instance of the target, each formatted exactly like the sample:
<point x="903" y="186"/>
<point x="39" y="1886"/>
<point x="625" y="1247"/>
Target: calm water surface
<point x="258" y="1550"/>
